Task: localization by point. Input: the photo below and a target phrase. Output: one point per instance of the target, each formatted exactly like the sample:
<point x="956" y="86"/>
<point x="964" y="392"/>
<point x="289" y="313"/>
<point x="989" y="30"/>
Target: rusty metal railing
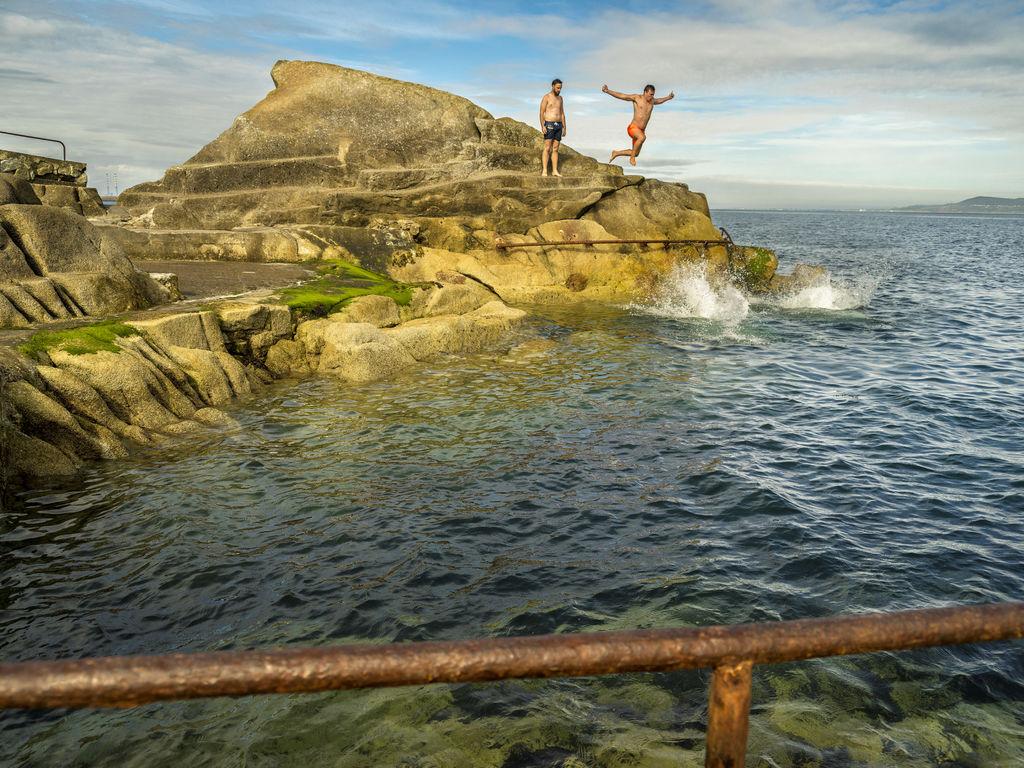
<point x="502" y="245"/>
<point x="64" y="149"/>
<point x="732" y="652"/>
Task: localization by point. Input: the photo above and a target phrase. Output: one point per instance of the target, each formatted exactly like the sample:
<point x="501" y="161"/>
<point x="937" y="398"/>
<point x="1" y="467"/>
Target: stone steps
<point x="479" y="195"/>
<point x="514" y="181"/>
<point x="318" y="170"/>
<point x="329" y="174"/>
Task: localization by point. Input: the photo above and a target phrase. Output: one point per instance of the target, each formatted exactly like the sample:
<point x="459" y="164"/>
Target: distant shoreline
<point x="871" y="210"/>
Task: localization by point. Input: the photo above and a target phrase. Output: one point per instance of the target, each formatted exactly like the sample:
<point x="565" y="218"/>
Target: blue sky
<point x="781" y="103"/>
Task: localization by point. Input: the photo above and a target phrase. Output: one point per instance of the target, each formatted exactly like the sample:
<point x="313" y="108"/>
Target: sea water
<point x="701" y="458"/>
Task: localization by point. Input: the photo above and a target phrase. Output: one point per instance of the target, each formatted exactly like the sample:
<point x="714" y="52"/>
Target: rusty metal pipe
<point x="500" y="245"/>
<point x="728" y="716"/>
<point x="133" y="680"/>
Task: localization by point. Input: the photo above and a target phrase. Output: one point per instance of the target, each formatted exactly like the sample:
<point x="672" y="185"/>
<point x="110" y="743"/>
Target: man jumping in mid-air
<point x="643" y="105"/>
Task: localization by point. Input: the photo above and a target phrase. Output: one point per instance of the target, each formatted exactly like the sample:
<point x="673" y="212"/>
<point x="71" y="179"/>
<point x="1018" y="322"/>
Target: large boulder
<point x="14" y="189"/>
<point x="655" y="209"/>
<point x="56" y="240"/>
<point x="84" y="201"/>
<point x="55" y="265"/>
<point x="445" y="322"/>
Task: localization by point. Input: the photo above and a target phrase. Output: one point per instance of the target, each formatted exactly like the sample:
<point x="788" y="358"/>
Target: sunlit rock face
<point x="383" y="171"/>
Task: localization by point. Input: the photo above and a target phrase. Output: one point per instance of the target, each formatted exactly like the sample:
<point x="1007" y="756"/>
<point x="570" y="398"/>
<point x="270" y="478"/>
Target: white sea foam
<point x="831" y="294"/>
<point x="688" y="293"/>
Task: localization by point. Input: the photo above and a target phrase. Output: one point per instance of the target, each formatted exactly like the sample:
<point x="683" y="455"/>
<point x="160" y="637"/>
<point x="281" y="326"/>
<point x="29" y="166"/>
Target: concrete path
<point x="206" y="279"/>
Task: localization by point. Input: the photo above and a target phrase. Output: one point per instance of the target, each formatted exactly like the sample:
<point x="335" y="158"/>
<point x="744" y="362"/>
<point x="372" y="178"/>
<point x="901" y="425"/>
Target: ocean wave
<point x="687" y="293"/>
<point x="831" y="293"/>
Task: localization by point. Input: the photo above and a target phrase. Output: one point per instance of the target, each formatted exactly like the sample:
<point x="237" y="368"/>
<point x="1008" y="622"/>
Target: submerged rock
<point x="90" y="391"/>
<point x="803" y="276"/>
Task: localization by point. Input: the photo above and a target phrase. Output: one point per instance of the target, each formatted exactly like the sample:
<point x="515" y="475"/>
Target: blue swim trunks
<point x="552" y="131"/>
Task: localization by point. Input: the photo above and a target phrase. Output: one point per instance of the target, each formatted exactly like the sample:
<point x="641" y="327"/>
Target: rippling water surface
<point x="700" y="460"/>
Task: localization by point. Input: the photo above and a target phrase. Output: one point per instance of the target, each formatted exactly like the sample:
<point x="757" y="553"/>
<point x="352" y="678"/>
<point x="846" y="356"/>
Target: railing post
<point x="728" y="716"/>
<point x="64" y="150"/>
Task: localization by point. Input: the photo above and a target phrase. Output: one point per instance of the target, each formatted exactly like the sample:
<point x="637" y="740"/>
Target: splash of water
<point x="831" y="294"/>
<point x="687" y="292"/>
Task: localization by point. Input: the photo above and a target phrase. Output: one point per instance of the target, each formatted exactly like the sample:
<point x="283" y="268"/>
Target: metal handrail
<point x="501" y="244"/>
<point x="732" y="651"/>
<point x="63" y="148"/>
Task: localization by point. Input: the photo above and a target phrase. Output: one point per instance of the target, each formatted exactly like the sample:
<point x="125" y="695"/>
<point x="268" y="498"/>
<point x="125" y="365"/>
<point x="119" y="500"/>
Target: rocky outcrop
<point x="46" y="170"/>
<point x="84" y="201"/>
<point x="258" y="244"/>
<point x="391" y="173"/>
<point x="93" y="392"/>
<point x="338" y="147"/>
<point x="58" y="183"/>
<point x="369" y="340"/>
<point x="416" y="182"/>
<point x="55" y="266"/>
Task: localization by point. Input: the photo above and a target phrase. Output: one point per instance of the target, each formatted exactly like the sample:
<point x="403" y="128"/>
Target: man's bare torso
<point x="552" y="108"/>
<point x="642" y="109"/>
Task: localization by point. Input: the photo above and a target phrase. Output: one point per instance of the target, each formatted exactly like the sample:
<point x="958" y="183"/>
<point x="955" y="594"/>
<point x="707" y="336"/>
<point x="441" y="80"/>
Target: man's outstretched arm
<point x="663" y="99"/>
<point x="617" y="95"/>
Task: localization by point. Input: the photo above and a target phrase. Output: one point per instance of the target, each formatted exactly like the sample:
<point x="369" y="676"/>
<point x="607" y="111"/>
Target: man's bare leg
<point x="554" y="159"/>
<point x="544" y="158"/>
<point x="620" y="153"/>
<point x="637" y="144"/>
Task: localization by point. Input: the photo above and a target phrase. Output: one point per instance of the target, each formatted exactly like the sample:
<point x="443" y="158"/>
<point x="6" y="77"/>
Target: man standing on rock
<point x="552" y="125"/>
<point x="643" y="106"/>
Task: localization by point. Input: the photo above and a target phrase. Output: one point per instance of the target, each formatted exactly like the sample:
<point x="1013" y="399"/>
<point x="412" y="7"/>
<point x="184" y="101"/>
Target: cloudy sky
<point x="780" y="103"/>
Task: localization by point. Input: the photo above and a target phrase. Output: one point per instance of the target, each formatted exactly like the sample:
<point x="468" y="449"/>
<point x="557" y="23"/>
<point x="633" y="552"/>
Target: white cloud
<point x="740" y="192"/>
<point x="788" y="92"/>
<point x="123" y="100"/>
<point x="894" y="103"/>
<point x="14" y="25"/>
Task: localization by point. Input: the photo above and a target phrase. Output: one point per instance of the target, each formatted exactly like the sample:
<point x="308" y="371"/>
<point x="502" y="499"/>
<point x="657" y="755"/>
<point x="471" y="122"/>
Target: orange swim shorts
<point x="634" y="131"/>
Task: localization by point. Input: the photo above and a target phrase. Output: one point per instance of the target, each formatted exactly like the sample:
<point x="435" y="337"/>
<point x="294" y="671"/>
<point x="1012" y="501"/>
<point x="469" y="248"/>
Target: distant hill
<point x="973" y="205"/>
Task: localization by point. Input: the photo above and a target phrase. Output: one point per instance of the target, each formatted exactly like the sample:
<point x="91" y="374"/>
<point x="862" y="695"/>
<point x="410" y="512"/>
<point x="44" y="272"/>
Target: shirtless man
<point x="553" y="126"/>
<point x="643" y="105"/>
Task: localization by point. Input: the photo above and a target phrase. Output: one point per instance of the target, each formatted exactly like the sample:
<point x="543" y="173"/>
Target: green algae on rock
<point x="339" y="282"/>
<point x="753" y="267"/>
<point x="83" y="340"/>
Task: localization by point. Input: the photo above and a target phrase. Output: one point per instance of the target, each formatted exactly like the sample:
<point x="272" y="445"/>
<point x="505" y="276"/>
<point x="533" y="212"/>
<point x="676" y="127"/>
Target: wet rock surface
<point x="91" y="392"/>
